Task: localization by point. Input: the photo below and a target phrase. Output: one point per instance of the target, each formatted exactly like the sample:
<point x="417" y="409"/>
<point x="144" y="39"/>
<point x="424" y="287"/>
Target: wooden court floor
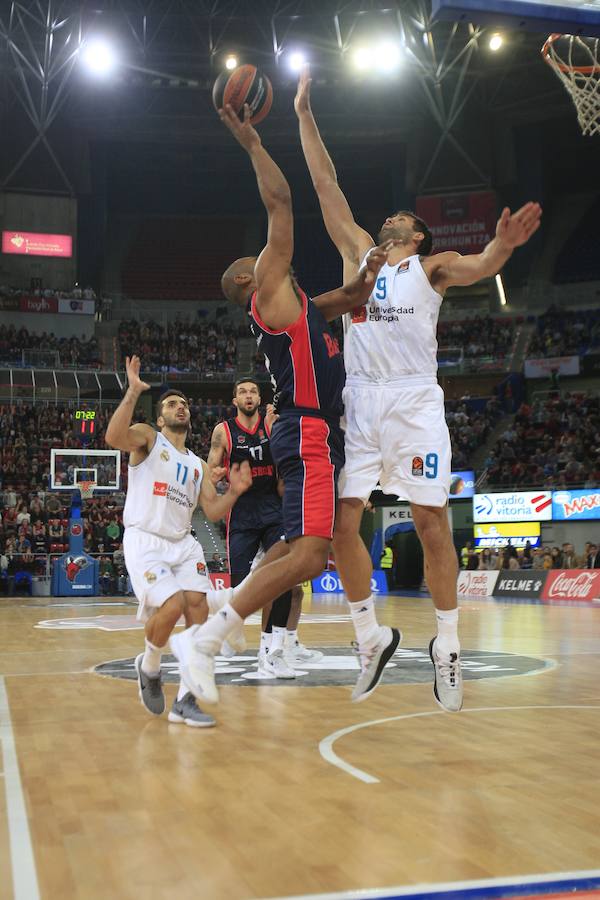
<point x="100" y="800"/>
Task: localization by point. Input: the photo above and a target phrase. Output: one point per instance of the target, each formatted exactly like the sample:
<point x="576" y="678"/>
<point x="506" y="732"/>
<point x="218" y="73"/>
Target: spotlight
<point x="231" y="62"/>
<point x="388" y="56"/>
<point x="363" y="58"/>
<point x="500" y="289"/>
<point x="496" y="41"/>
<point x="296" y="60"/>
<point x="99" y="57"/>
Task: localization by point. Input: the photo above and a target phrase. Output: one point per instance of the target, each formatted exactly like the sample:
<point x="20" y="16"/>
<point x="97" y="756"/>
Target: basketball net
<point x="575" y="61"/>
<point x="86" y="489"/>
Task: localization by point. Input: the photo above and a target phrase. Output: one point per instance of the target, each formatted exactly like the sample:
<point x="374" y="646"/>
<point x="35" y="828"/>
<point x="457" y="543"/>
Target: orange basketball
<point x="246" y="84"/>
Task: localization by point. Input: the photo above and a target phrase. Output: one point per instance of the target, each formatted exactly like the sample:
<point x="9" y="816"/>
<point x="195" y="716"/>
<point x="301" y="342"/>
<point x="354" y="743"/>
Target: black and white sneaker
<point x="188" y="712"/>
<point x="447" y="680"/>
<point x="373" y="662"/>
<point x="150" y="689"/>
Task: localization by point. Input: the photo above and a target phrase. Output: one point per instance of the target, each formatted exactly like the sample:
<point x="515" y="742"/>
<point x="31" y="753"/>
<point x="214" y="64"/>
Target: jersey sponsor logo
<point x="389" y="313"/>
<point x="359" y="315"/>
<point x="333" y="348"/>
<point x="339" y="666"/>
<point x="258" y="471"/>
<point x="160" y="489"/>
<point x="164" y="455"/>
<point x="417" y="465"/>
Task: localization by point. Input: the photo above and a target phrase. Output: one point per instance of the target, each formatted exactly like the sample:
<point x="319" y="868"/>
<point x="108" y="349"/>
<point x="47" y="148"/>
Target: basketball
<point x="246" y="84"/>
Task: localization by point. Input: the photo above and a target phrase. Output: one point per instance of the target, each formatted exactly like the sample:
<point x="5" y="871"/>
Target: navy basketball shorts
<point x="309" y="454"/>
<point x="243" y="545"/>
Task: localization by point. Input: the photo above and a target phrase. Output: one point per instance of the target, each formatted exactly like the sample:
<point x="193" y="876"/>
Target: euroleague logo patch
<point x="417" y="465"/>
<point x="200" y="568"/>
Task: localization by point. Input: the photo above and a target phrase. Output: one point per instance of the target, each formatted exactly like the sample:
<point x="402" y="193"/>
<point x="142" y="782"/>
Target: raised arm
<point x="217" y="453"/>
<point x="276" y="300"/>
<point x="121" y="434"/>
<point x="512" y="231"/>
<point x="351" y="240"/>
<point x="357" y="291"/>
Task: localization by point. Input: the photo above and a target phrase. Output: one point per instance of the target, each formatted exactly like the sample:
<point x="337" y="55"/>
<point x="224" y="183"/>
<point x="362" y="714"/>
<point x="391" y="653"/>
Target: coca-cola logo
<point x="571" y="586"/>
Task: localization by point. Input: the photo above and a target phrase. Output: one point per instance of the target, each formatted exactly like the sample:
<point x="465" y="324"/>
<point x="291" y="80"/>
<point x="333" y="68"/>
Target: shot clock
<point x="84" y="424"/>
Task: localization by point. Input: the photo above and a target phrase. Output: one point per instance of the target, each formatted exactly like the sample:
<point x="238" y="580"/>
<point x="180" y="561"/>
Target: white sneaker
<point x="264" y="670"/>
<point x="373" y="661"/>
<point x="196" y="664"/>
<point x="447" y="680"/>
<point x="237" y="639"/>
<point x="275" y="663"/>
<point x="298" y="655"/>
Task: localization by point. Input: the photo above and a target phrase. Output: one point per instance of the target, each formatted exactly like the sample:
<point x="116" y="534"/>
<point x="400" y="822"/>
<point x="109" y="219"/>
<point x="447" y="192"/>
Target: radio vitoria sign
<point x="517" y="506"/>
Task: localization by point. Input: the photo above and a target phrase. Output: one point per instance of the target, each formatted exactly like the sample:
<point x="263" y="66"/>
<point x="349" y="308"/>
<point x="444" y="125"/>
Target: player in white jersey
<point x="396" y="432"/>
<point x="166" y="565"/>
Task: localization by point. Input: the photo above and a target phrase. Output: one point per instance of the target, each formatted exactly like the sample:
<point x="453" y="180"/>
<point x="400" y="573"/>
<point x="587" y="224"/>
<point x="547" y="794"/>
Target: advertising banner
<point x="220" y="580"/>
<point x="476" y="584"/>
<point x="520" y="584"/>
<point x="32" y="244"/>
<point x="571" y="506"/>
<point x="462" y="485"/>
<point x="330" y="583"/>
<point x="79" y="307"/>
<point x="38" y="304"/>
<point x="543" y="368"/>
<point x="10" y="304"/>
<point x="515" y="534"/>
<point x="518" y="506"/>
<point x="572" y="584"/>
<point x="462" y="222"/>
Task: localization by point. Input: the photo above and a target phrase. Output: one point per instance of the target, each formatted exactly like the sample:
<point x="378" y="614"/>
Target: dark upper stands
<point x="565" y="333"/>
<point x="579" y="259"/>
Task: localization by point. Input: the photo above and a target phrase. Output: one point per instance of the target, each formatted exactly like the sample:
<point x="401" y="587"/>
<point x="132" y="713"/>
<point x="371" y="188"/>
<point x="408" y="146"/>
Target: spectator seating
<point x="579" y="259"/>
<point x="565" y="333"/>
<point x="480" y="336"/>
<point x="182" y="346"/>
<point x="72" y="352"/>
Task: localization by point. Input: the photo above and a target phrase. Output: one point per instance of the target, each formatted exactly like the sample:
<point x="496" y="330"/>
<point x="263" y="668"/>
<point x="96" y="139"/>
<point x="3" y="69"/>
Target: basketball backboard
<point x="545" y="16"/>
<point x="70" y="467"/>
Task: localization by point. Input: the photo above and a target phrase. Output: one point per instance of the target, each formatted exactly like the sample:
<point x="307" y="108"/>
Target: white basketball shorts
<point x="158" y="568"/>
<point x="396" y="434"/>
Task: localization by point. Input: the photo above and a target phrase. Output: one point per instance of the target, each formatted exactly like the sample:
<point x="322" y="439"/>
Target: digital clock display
<point x="84" y="426"/>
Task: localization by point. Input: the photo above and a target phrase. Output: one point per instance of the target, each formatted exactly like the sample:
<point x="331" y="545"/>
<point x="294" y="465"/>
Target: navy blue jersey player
<point x="307" y="442"/>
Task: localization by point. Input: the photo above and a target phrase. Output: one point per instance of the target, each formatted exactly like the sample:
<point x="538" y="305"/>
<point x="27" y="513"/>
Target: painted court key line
<point x="24" y="876"/>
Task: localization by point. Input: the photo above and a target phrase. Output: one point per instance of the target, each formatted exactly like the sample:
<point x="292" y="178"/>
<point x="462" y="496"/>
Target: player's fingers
<point x="246" y="114"/>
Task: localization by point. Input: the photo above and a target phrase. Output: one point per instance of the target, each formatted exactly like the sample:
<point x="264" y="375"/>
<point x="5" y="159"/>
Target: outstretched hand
<point x="243" y="132"/>
<point x="132" y="368"/>
<point x="376" y="259"/>
<point x="240" y="478"/>
<point x="516" y="229"/>
<point x="217" y="474"/>
<point x="302" y="98"/>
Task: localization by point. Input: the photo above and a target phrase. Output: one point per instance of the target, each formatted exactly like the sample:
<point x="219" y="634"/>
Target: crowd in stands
<point x="480" y="336"/>
<point x="469" y="429"/>
<point x="555" y="443"/>
<point x="528" y="557"/>
<point x="72" y="352"/>
<point x="183" y="346"/>
<point x="565" y="333"/>
<point x="36" y="290"/>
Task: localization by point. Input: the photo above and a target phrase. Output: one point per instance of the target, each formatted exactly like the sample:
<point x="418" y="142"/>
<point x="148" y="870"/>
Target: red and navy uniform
<point x="307" y="443"/>
<point x="256" y="519"/>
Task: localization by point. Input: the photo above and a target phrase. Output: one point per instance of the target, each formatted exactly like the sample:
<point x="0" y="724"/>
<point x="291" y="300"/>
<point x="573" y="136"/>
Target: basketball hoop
<point x="575" y="61"/>
<point x="86" y="489"/>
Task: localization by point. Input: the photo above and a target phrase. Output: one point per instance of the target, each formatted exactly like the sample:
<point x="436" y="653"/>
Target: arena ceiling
<point x="452" y="103"/>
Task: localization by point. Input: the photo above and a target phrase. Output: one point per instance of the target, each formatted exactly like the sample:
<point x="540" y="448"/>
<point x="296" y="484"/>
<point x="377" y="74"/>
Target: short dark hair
<point x="249" y="380"/>
<point x="163" y="397"/>
<point x="426" y="245"/>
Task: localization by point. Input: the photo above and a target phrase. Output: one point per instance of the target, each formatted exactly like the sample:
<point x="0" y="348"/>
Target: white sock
<point x="151" y="660"/>
<point x="292" y="637"/>
<point x="447" y="637"/>
<point x="265" y="642"/>
<point x="182" y="691"/>
<point x="216" y="629"/>
<point x="365" y="621"/>
<point x="277" y="639"/>
<point x="217" y="599"/>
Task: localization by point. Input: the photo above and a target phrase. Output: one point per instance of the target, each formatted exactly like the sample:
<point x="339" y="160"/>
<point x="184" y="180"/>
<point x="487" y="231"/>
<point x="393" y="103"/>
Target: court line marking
<point x="329" y="755"/>
<point x="24" y="875"/>
<point x="559" y="880"/>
